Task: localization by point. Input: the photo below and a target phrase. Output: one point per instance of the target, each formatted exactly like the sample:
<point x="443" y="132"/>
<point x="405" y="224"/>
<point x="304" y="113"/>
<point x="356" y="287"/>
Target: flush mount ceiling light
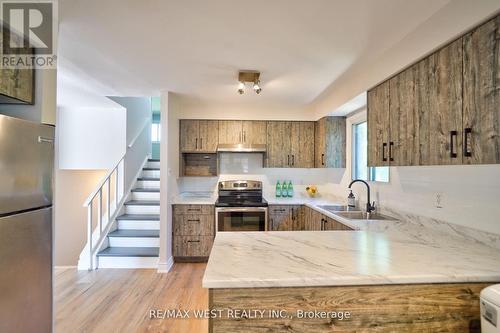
<point x="251" y="77"/>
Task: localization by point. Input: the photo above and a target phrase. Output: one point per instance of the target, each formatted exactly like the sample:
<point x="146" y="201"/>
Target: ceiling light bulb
<point x="256" y="87"/>
<point x="241" y="88"/>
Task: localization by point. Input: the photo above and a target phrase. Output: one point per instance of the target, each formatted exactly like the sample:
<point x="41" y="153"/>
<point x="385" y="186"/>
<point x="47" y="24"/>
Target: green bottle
<point x="278" y="189"/>
<point x="290" y="189"/>
<point x="284" y="189"/>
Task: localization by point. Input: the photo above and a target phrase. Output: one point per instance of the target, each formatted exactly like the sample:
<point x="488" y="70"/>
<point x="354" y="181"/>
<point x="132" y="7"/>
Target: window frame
<point x="355" y="120"/>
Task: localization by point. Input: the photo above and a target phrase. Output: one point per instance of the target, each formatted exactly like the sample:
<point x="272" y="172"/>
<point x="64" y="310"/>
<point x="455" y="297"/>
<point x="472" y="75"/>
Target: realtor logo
<point x="28" y="32"/>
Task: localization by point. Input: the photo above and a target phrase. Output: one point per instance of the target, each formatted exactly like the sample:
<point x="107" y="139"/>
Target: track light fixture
<point x="252" y="77"/>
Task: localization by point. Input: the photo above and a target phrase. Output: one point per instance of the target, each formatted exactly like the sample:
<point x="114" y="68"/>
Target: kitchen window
<point x="360" y="168"/>
<point x="155" y="132"/>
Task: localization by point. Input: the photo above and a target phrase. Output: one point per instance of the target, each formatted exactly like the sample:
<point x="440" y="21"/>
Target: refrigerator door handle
<point x="42" y="139"/>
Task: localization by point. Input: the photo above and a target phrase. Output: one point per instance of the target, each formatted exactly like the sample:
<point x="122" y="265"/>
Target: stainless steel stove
<point x="240" y="206"/>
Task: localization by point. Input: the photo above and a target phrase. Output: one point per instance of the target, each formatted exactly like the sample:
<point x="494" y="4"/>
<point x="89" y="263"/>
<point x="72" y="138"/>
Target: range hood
<point x="241" y="148"/>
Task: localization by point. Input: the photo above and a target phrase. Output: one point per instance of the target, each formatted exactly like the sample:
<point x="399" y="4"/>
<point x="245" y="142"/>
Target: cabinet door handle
<point x="467" y="143"/>
<point x="384" y="159"/>
<point x="194" y="210"/>
<point x="196" y="144"/>
<point x="196" y="220"/>
<point x="201" y="143"/>
<point x="391" y="144"/>
<point x="244" y="136"/>
<point x="193" y="241"/>
<point x="293" y="159"/>
<point x="322" y="159"/>
<point x="453" y="134"/>
<point x="288" y="158"/>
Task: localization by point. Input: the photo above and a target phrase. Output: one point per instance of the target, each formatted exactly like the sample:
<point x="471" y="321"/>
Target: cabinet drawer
<point x="193" y="209"/>
<point x="192" y="246"/>
<point x="199" y="225"/>
<point x="279" y="209"/>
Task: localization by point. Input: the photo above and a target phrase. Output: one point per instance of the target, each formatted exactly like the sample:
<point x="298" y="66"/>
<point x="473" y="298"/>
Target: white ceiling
<point x="196" y="47"/>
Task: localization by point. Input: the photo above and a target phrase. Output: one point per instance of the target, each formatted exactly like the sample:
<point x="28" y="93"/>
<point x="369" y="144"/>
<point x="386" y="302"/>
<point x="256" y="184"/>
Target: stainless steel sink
<point x="364" y="216"/>
<point x="337" y="208"/>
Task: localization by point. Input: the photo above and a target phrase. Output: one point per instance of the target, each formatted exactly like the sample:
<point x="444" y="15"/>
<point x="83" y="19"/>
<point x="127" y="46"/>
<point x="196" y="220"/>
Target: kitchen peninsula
<point x="401" y="280"/>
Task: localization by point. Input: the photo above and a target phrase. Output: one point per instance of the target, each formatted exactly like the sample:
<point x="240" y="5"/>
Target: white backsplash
<point x="249" y="166"/>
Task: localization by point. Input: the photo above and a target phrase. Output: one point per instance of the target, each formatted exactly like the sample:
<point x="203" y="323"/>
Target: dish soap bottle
<point x="278" y="189"/>
<point x="284" y="189"/>
<point x="351" y="200"/>
<point x="290" y="189"/>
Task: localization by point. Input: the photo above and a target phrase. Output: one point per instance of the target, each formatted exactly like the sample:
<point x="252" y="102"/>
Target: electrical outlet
<point x="439" y="200"/>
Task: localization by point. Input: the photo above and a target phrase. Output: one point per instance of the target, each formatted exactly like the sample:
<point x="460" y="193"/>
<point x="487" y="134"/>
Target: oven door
<point x="241" y="219"/>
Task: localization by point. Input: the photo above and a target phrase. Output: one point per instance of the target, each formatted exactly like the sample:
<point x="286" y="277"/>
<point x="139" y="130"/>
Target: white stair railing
<point x="117" y="175"/>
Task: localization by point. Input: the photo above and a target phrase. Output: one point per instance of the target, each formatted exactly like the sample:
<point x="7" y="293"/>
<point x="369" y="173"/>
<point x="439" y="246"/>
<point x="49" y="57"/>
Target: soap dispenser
<point x="351" y="200"/>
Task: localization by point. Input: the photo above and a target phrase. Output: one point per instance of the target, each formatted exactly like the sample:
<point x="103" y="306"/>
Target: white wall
<point x="169" y="170"/>
<point x="90" y="138"/>
<point x="469" y="194"/>
<point x="70" y="217"/>
<point x="44" y="108"/>
<point x="446" y="24"/>
<point x="138" y="134"/>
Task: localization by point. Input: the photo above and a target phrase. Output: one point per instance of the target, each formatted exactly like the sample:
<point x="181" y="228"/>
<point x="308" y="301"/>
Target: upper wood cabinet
<point x="330" y="143"/>
<point x="242" y="132"/>
<point x="481" y="116"/>
<point x="290" y="144"/>
<point x="443" y="110"/>
<point x="198" y="136"/>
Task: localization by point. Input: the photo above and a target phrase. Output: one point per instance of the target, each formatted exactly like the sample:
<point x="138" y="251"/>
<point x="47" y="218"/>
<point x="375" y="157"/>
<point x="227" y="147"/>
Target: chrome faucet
<point x="369" y="206"/>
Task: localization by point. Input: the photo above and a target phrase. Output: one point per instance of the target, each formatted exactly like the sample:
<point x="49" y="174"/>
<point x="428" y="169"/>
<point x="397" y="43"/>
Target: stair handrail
<point x="119" y="177"/>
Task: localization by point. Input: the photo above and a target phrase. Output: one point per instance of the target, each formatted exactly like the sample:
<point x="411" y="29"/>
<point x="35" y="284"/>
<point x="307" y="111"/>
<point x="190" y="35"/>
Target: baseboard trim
<point x="167" y="266"/>
<point x="64" y="267"/>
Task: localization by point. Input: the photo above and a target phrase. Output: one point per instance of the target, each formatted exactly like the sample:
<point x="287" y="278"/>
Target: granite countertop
<point x="376" y="252"/>
<point x="195" y="198"/>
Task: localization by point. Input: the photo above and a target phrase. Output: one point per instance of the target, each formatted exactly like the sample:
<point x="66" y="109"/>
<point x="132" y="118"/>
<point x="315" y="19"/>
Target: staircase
<point x="135" y="241"/>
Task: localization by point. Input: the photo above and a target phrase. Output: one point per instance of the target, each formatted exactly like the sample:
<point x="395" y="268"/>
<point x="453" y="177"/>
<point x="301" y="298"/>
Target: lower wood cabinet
<point x="314" y="220"/>
<point x="286" y="217"/>
<point x="193" y="232"/>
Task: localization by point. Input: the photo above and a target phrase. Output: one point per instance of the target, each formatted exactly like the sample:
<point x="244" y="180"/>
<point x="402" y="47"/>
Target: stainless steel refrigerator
<point x="26" y="169"/>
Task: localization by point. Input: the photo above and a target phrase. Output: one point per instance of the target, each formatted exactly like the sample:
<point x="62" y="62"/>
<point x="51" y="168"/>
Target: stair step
<point x="153" y="160"/>
<point x="148" y="178"/>
<point x="141" y="189"/>
<point x="134" y="233"/>
<point x="139" y="217"/>
<point x="154" y="169"/>
<point x="142" y="203"/>
<point x="129" y="252"/>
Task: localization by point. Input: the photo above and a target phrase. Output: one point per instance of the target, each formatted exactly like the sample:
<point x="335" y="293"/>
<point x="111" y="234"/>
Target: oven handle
<point x="241" y="209"/>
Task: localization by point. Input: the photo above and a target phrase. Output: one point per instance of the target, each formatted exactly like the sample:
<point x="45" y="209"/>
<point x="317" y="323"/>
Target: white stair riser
<point x="127" y="262"/>
<point x="139" y="225"/>
<point x="137" y="209"/>
<point x="148" y="184"/>
<point x="147" y="196"/>
<point x="151" y="173"/>
<point x="151" y="164"/>
<point x="134" y="241"/>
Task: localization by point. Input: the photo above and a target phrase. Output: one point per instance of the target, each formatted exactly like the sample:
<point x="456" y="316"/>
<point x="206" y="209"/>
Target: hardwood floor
<point x="119" y="300"/>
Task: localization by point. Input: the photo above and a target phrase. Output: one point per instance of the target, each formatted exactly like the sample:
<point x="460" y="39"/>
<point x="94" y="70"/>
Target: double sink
<point x="354" y="214"/>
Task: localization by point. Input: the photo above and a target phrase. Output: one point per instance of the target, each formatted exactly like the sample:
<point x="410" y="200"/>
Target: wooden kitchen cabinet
<point x="313" y="219"/>
<point x="481" y="94"/>
<point x="290" y="144"/>
<point x="330" y="142"/>
<point x="242" y="132"/>
<point x="286" y="218"/>
<point x="332" y="224"/>
<point x="198" y="136"/>
<point x="278" y="144"/>
<point x="193" y="232"/>
<point x="378" y="125"/>
<point x="443" y="110"/>
<point x="302" y="144"/>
